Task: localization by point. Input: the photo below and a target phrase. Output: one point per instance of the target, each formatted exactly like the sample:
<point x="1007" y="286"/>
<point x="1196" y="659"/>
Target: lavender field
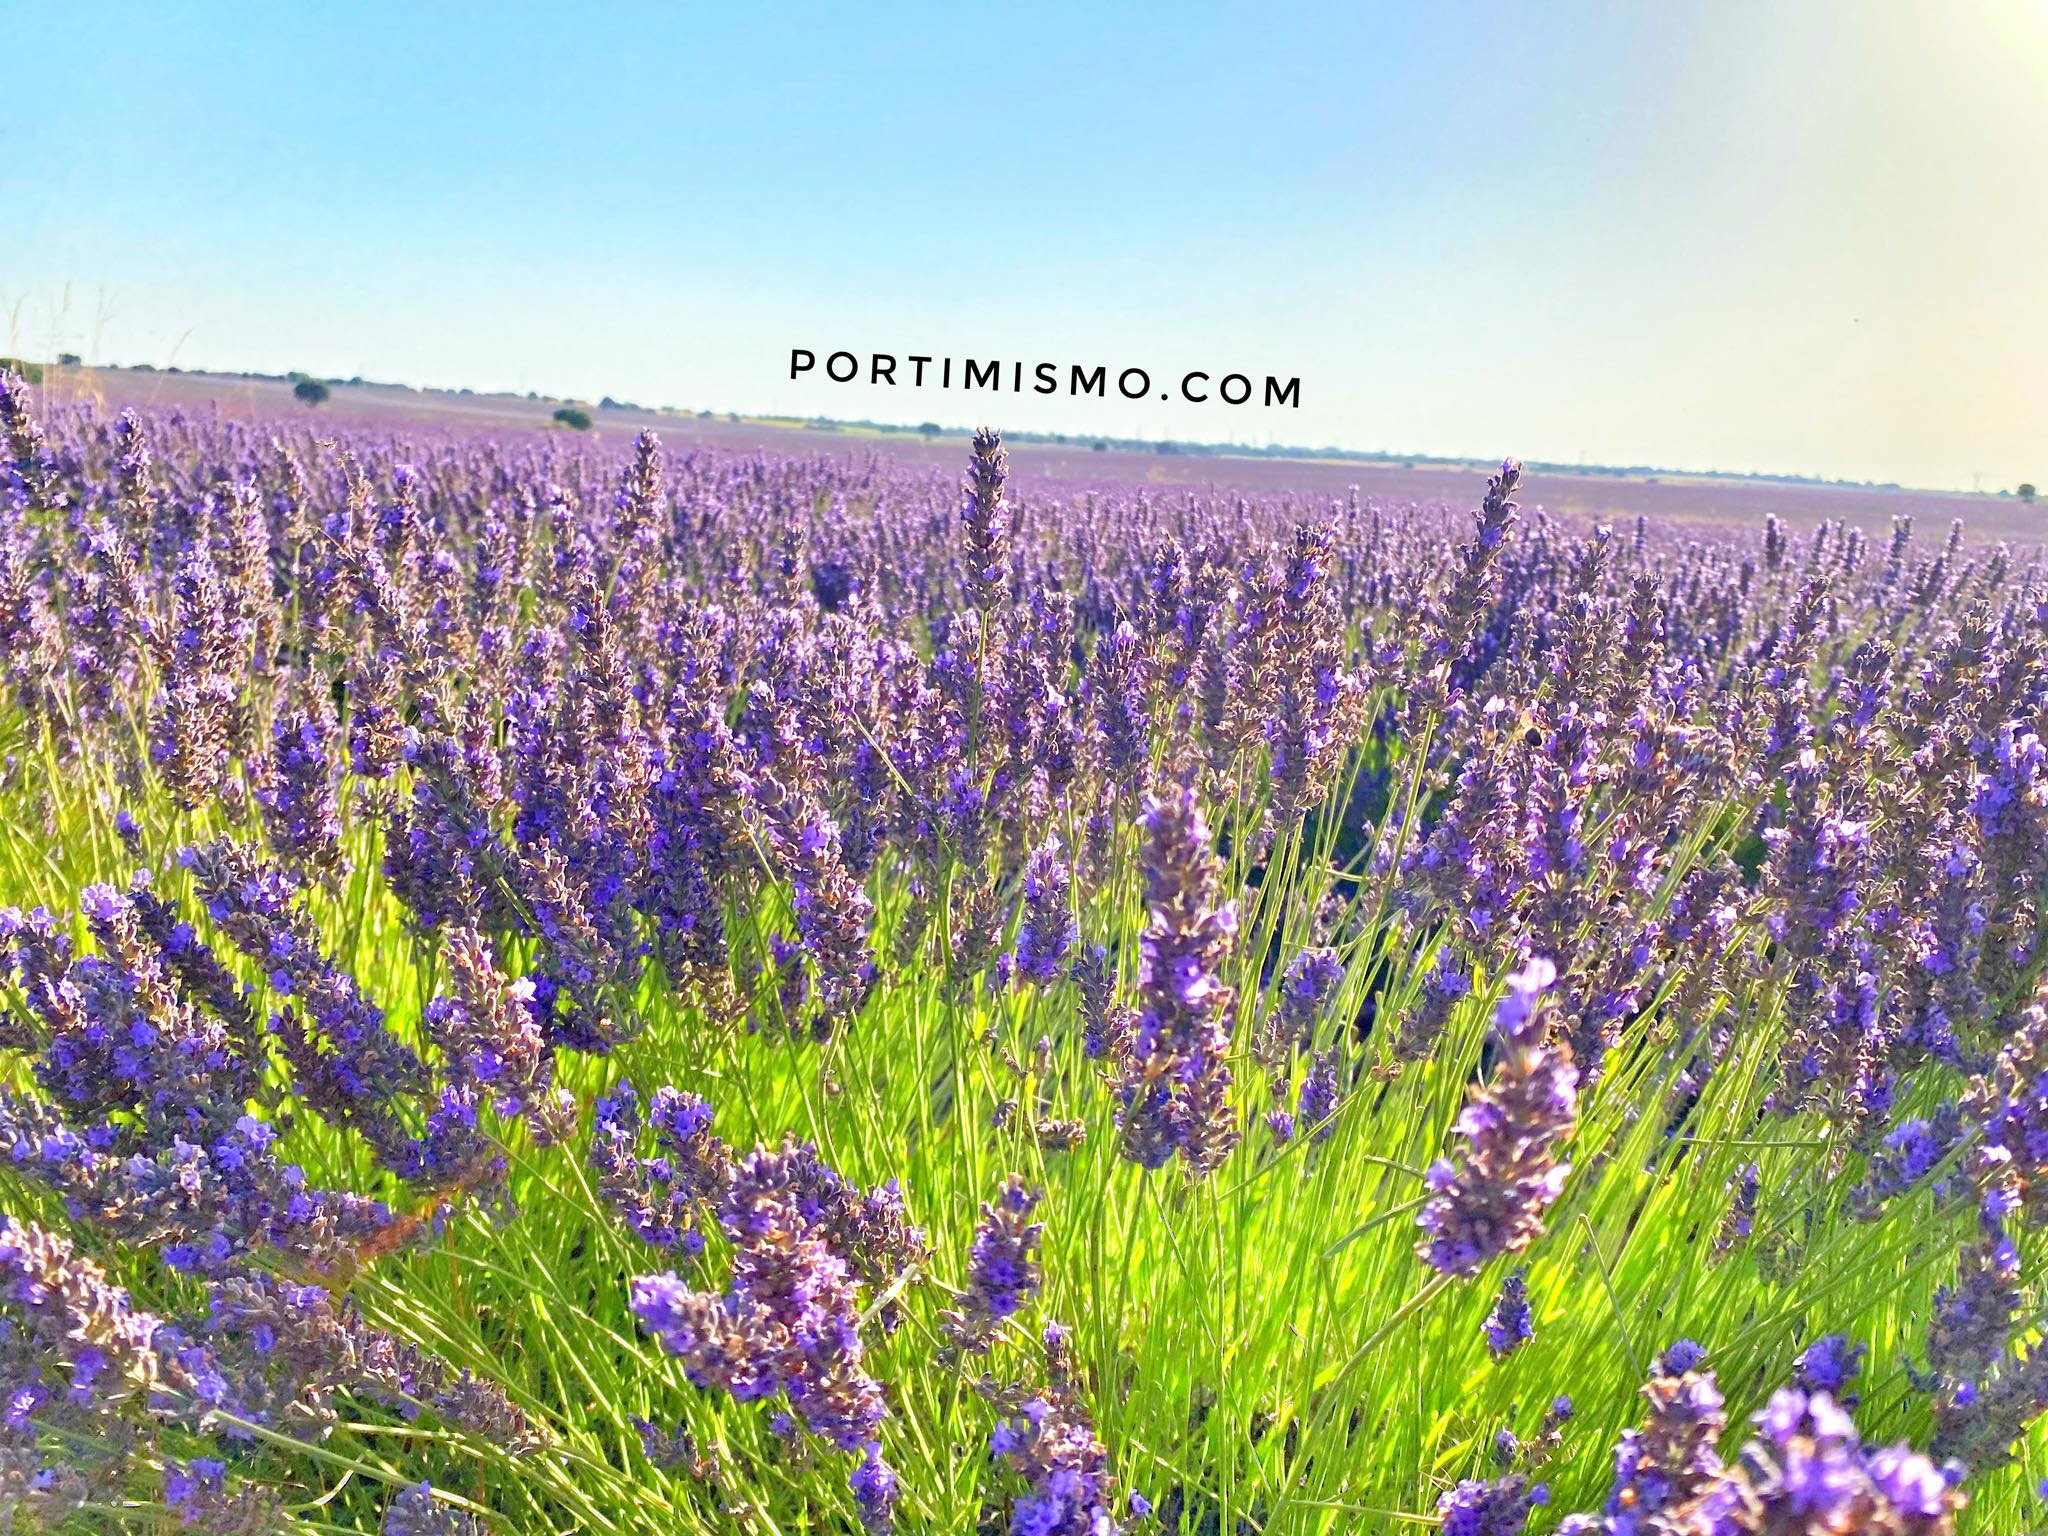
<point x="555" y="986"/>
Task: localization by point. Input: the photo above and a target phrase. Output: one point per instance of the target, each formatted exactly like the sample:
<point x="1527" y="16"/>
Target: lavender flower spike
<point x="981" y="511"/>
<point x="1509" y="1325"/>
<point x="1002" y="1270"/>
<point x="1046" y="931"/>
<point x="1175" y="1085"/>
<point x="1491" y="1200"/>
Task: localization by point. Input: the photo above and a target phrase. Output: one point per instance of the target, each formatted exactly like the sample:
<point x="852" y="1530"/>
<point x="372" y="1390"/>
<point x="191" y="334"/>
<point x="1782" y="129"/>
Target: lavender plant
<point x="1618" y="940"/>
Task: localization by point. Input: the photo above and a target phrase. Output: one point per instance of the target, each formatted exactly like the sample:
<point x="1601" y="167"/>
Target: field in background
<point x="1594" y="498"/>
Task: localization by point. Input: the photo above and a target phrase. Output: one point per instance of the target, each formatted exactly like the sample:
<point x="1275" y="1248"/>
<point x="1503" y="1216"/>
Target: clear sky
<point x="1802" y="235"/>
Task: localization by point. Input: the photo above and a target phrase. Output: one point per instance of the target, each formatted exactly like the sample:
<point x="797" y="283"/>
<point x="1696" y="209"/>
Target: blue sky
<point x="1720" y="234"/>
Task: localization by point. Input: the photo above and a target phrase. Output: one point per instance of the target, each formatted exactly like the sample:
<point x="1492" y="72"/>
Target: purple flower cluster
<point x="1806" y="1464"/>
<point x="1052" y="1445"/>
<point x="1477" y="1507"/>
<point x="415" y="1511"/>
<point x="300" y="800"/>
<point x="78" y="1354"/>
<point x="1046" y="930"/>
<point x="1491" y="1200"/>
<point x="1305" y="989"/>
<point x="803" y="1245"/>
<point x="1002" y="1267"/>
<point x="1805" y="1470"/>
<point x="346" y="1062"/>
<point x="658" y="1197"/>
<point x="1828" y="1365"/>
<point x="198" y="1492"/>
<point x="1509" y="1325"/>
<point x="1175" y="1084"/>
<point x="148" y="1056"/>
<point x="1738" y="1222"/>
<point x="1317" y="1102"/>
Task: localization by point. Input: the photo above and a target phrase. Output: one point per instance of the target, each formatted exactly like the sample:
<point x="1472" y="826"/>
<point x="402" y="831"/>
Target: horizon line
<point x="1202" y="448"/>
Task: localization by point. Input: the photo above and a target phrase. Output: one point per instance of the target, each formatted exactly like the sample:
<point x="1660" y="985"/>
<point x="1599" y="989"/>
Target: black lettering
<point x="1048" y="379"/>
<point x="877" y="374"/>
<point x="810" y="361"/>
<point x="1095" y="383"/>
<point x="1123" y="384"/>
<point x="985" y="375"/>
<point x="1189" y="394"/>
<point x="1291" y="395"/>
<point x="832" y="368"/>
<point x="1243" y="395"/>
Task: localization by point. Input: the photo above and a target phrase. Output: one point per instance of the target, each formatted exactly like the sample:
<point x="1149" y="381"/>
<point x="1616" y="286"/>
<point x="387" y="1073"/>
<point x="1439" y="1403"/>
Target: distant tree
<point x="2027" y="491"/>
<point x="928" y="429"/>
<point x="312" y="391"/>
<point x="68" y="359"/>
<point x="1098" y="446"/>
<point x="574" y="417"/>
<point x="30" y="372"/>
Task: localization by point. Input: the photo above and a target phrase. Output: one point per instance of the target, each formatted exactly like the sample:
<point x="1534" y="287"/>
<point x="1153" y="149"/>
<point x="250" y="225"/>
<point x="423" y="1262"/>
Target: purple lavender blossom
<point x="1052" y="1445"/>
<point x="1306" y="987"/>
<point x="1739" y="1220"/>
<point x="983" y="514"/>
<point x="1509" y="1325"/>
<point x="875" y="1490"/>
<point x="658" y="1197"/>
<point x="1046" y="930"/>
<point x="349" y="1065"/>
<point x="415" y="1511"/>
<point x="803" y="1243"/>
<point x="198" y="1492"/>
<point x="1320" y="1093"/>
<point x="1806" y="1463"/>
<point x="301" y="808"/>
<point x="1680" y="1357"/>
<point x="1829" y="1364"/>
<point x="1002" y="1267"/>
<point x="1174" y="1089"/>
<point x="1480" y="1508"/>
<point x="1491" y="1200"/>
